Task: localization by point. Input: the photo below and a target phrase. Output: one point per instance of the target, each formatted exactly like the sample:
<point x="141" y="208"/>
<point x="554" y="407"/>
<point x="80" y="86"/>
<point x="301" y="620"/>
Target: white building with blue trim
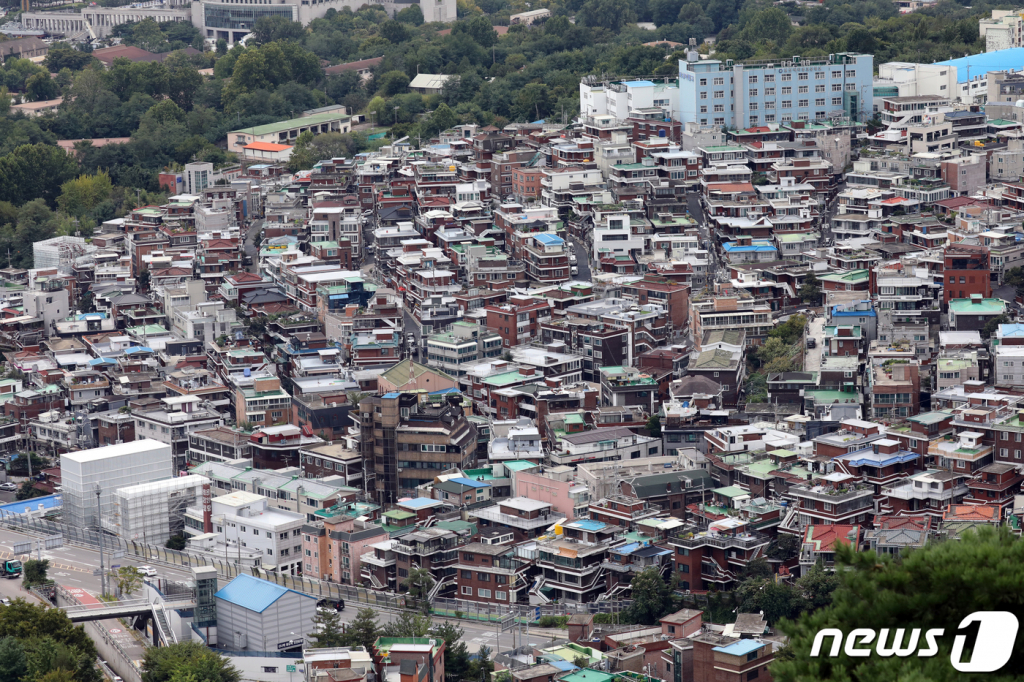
<point x="753" y="93"/>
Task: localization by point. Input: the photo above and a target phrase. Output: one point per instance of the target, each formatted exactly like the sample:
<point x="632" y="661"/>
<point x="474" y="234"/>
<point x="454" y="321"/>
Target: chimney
<point x="527" y="371"/>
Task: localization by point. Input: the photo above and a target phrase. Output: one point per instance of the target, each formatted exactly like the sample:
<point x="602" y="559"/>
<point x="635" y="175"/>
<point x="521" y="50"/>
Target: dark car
<point x="338" y="605"/>
<point x="811" y="343"/>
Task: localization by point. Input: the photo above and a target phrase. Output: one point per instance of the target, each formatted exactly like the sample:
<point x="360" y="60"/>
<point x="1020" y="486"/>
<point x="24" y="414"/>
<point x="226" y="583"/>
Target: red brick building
<point x="491" y="574"/>
<point x="519" y="320"/>
<point x="966" y="271"/>
<point x="675" y="296"/>
<point x="726" y="659"/>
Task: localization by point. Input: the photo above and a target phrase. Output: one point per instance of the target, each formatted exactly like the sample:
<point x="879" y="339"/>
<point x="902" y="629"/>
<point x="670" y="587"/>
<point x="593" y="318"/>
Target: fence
<point x="128" y="669"/>
<point x="318" y="588"/>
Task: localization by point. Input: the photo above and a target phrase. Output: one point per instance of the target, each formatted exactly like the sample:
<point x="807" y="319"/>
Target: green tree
<point x="651" y="597"/>
<point x="27" y="490"/>
<point x="177" y="542"/>
<point x="13" y="661"/>
<point x="394" y="32"/>
<point x="327" y="632"/>
<point x="269" y="29"/>
<point x="363" y="630"/>
<point x="768" y="24"/>
<point x="393" y="83"/>
<point x="35" y="171"/>
<point x="934" y="587"/>
<point x="654" y="426"/>
<point x="784" y="547"/>
<point x="128" y="579"/>
<point x="33" y="572"/>
<point x="992" y="325"/>
<point x="443" y="118"/>
<point x="143" y="279"/>
<point x="817" y="586"/>
<point x="41" y="87"/>
<point x="482" y="666"/>
<point x="162" y="664"/>
<point x="456" y="653"/>
<point x="64" y="56"/>
<point x="183" y="80"/>
<point x="609" y="14"/>
<point x="773" y="348"/>
<point x="810" y="290"/>
<point x="790" y="331"/>
<point x="84" y="193"/>
<point x="1015" y="278"/>
<point x="411" y="15"/>
<point x="418" y="583"/>
<point x="407" y="625"/>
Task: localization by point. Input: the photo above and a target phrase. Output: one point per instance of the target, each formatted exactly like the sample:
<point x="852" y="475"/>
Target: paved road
<point x="812" y="356"/>
<point x="582" y="259"/>
<point x="250" y="246"/>
<point x="73" y="567"/>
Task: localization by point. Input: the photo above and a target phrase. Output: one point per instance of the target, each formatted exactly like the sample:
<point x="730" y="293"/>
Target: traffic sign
<point x="289" y="668"/>
<point x="115" y="631"/>
<point x="508" y="622"/>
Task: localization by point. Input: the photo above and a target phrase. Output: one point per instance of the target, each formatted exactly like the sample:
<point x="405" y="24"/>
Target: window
<point x="769" y="92"/>
<point x="837" y="101"/>
<point x="819" y="88"/>
<point x="769" y="78"/>
<point x="820" y="102"/>
<point x="719" y="94"/>
<point x="719" y="81"/>
<point x="753" y="92"/>
<point x="837" y="87"/>
<point x="704" y="108"/>
<point x="704" y="95"/>
<point x="270" y="669"/>
<point x="787" y="103"/>
<point x="786" y="77"/>
<point x="787" y="90"/>
<point x="802" y="104"/>
<point x="467" y="590"/>
<point x="802" y="76"/>
<point x="703" y="81"/>
<point x="752" y="79"/>
<point x="802" y="89"/>
<point x="752" y="675"/>
<point x="486" y="594"/>
<point x="501" y="596"/>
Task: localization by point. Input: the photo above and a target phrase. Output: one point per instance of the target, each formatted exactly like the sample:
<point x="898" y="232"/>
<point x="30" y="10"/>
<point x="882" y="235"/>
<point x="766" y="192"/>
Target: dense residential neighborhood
<point x="437" y="342"/>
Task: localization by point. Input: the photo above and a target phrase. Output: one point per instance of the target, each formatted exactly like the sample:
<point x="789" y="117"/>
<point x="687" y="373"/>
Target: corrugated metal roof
<point x="253" y="594"/>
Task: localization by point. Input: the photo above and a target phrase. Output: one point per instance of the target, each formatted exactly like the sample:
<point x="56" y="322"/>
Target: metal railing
<point x="322" y="589"/>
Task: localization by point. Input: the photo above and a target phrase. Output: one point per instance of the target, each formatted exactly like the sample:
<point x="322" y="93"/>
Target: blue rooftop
<point x="25" y="506"/>
<point x="756" y="246"/>
<point x="639" y="84"/>
<point x="102" y="361"/>
<point x="740" y="648"/>
<point x="587" y="524"/>
<point x="1011" y="330"/>
<point x="390" y="395"/>
<point x="980" y="64"/>
<point x="254" y="594"/>
<point x="565" y="666"/>
<point x="470" y="482"/>
<point x="418" y="502"/>
<point x="91" y="316"/>
<point x="138" y="349"/>
<point x="549" y="239"/>
<point x="627" y="549"/>
<point x="445" y="391"/>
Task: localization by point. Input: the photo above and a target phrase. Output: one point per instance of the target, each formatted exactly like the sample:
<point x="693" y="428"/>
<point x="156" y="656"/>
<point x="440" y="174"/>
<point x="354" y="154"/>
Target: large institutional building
<point x="231" y="20"/>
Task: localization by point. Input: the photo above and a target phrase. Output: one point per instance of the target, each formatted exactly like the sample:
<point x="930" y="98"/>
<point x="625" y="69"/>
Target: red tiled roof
<point x="826" y="537"/>
<point x="267" y="146"/>
<point x="730" y="186"/>
<point x="353" y="66"/>
<point x="971" y="512"/>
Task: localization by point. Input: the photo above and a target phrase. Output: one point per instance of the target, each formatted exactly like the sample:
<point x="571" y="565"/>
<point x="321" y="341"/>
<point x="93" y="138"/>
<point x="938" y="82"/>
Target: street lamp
<point x="99" y="531"/>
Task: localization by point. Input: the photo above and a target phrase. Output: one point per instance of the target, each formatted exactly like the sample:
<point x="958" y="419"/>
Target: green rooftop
<point x="980" y="306"/>
<point x="398" y="514"/>
<point x="574" y="419"/>
<point x="929" y="417"/>
<point x="849" y="277"/>
<point x="504" y="379"/>
<point x="147" y="330"/>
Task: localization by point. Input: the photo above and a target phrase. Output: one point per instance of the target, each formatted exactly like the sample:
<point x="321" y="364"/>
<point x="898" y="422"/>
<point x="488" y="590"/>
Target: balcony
<point x="913" y="490"/>
<point x="741" y="541"/>
<point x="372" y="560"/>
<point x="495" y="516"/>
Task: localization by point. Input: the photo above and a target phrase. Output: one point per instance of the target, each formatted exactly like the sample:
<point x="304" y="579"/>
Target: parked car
<point x="8" y="486"/>
<point x="574" y="271"/>
<point x="811" y="343"/>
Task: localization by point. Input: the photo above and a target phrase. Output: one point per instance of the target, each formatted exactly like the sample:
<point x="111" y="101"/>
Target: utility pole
<point x="99" y="530"/>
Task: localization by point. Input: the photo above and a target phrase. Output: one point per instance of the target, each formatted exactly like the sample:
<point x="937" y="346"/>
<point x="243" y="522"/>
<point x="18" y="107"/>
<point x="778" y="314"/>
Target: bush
<point x="553" y="621"/>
